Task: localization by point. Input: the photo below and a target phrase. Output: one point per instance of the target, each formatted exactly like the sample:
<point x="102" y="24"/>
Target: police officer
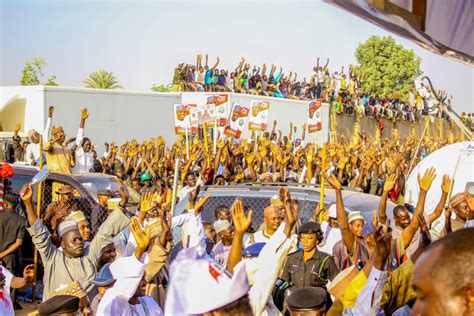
<point x="309" y="301"/>
<point x="309" y="267"/>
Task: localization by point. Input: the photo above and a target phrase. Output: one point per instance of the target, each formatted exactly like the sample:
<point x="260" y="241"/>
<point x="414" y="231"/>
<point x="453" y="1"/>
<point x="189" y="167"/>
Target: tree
<point x="161" y="88"/>
<point x="102" y="79"/>
<point x="32" y="72"/>
<point x="386" y="69"/>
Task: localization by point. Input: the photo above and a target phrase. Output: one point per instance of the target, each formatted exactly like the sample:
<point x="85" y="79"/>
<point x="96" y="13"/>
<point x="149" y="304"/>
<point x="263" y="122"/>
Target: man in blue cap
<point x="103" y="281"/>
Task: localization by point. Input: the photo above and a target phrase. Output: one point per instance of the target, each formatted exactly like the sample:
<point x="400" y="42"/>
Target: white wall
<point x="114" y="115"/>
<point x="123" y="115"/>
<point x="25" y="108"/>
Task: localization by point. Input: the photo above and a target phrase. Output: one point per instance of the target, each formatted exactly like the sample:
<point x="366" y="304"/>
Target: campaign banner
<point x="181" y="119"/>
<point x="315" y="116"/>
<point x="221" y="102"/>
<point x="203" y="114"/>
<point x="258" y="119"/>
<point x="237" y="121"/>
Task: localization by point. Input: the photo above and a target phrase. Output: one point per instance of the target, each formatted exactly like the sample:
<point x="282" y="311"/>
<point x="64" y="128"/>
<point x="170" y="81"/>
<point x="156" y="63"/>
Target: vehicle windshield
<point x="92" y="185"/>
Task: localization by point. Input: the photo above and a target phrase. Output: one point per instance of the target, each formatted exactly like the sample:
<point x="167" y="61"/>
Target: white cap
<point x="199" y="285"/>
<point x="332" y="211"/>
<point x="128" y="273"/>
<point x="220" y="225"/>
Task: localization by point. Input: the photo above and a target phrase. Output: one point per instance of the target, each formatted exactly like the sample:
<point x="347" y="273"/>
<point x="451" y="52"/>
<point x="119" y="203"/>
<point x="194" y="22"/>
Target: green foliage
<point x="102" y="79"/>
<point x="51" y="81"/>
<point x="161" y="88"/>
<point x="386" y="69"/>
<point x="32" y="72"/>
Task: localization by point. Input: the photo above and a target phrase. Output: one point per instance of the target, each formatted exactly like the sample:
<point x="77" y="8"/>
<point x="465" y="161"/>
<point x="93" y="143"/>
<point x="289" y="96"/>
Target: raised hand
<point x="221" y="143"/>
<point x="285" y="196"/>
<point x="140" y="237"/>
<point x="427" y="180"/>
<point x="50" y="111"/>
<point x="200" y="203"/>
<point x="84" y="114"/>
<point x="147" y="203"/>
<point x="240" y="221"/>
<point x="29" y="273"/>
<point x="26" y="193"/>
<point x="249" y="157"/>
<point x="382" y="247"/>
<point x="446" y="184"/>
<point x="332" y="180"/>
<point x="390" y="183"/>
<point x="17" y="128"/>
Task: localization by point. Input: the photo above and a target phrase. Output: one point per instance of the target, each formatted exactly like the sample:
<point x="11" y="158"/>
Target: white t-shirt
<point x="331" y="237"/>
<point x="6" y="305"/>
<point x="220" y="253"/>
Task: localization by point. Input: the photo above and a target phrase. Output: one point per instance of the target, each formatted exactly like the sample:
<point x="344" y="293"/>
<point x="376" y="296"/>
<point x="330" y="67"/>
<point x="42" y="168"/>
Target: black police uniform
<point x="313" y="273"/>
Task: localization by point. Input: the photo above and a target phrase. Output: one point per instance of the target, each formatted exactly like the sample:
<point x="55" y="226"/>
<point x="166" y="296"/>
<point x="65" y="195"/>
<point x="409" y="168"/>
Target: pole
<point x="256" y="142"/>
<point x="418" y="147"/>
<point x="38" y="213"/>
<point x="204" y="135"/>
<point x="322" y="182"/>
<point x="175" y="186"/>
<point x="215" y="137"/>
<point x="187" y="142"/>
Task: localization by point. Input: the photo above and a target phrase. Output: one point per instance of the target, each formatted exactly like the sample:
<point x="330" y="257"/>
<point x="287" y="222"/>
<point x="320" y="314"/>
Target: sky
<point x="141" y="42"/>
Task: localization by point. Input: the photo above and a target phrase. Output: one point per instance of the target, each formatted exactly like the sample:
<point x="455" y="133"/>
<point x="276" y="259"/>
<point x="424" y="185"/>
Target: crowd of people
<point x="338" y="263"/>
<point x="335" y="87"/>
<point x="468" y="119"/>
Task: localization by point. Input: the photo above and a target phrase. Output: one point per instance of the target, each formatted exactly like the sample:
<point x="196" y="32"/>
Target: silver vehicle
<point x="257" y="197"/>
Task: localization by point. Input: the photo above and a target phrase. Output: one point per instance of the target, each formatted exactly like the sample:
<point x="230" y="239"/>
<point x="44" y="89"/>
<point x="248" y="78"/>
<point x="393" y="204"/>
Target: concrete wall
<point x="438" y="129"/>
<point x="114" y="115"/>
<point x="122" y="115"/>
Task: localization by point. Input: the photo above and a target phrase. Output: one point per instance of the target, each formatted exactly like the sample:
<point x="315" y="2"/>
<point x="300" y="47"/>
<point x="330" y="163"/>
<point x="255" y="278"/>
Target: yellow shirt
<point x="57" y="158"/>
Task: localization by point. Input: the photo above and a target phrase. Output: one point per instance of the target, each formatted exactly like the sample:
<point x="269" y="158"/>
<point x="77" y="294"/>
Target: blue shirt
<point x="207" y="77"/>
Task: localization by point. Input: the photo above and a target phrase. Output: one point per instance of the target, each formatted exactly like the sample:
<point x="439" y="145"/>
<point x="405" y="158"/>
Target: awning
<point x="443" y="27"/>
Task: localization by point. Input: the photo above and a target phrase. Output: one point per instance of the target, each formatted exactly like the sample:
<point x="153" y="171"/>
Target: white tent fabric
<point x="443" y="27"/>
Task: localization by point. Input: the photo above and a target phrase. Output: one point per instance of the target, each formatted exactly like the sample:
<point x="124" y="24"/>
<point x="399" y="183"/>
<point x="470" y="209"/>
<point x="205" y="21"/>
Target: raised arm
<point x="47" y="128"/>
<point x="80" y="132"/>
<point x="445" y="187"/>
<point x="326" y="65"/>
<point x="347" y="235"/>
<point x="424" y="184"/>
<point x="217" y="63"/>
<point x="241" y="224"/>
<point x="273" y="127"/>
<point x="387" y="187"/>
<point x="26" y="195"/>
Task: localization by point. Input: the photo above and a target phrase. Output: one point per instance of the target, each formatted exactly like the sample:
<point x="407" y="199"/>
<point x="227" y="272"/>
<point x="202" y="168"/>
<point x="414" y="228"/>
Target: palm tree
<point x="102" y="79"/>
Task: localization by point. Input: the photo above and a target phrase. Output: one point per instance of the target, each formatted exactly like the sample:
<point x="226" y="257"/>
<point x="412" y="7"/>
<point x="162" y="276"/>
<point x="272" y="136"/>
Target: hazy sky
<point x="142" y="41"/>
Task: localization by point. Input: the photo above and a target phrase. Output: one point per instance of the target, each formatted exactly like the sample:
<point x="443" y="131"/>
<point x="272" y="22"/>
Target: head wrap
<point x="220" y="225"/>
<point x="77" y="216"/>
<point x="457" y="199"/>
